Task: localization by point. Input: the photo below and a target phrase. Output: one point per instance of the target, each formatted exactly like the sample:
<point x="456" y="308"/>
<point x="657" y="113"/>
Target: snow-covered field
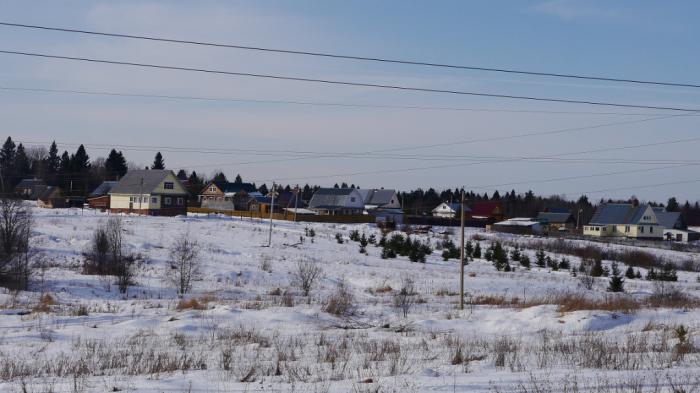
<point x="257" y="332"/>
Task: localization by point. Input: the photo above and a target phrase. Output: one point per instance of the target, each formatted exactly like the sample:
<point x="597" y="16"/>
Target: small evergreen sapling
<point x="616" y="281"/>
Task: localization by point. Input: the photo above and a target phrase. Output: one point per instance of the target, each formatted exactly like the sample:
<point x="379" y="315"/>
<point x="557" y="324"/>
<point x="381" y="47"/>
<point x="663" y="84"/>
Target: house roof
<point x="485" y="208"/>
<point x="102" y="189"/>
<point x="618" y="213"/>
<point x="325" y="198"/>
<point x="28" y="183"/>
<point x="454" y="206"/>
<point x="228" y="187"/>
<point x="47" y="192"/>
<point x="376" y="197"/>
<point x="518" y="222"/>
<point x="131" y="183"/>
<point x="554" y="218"/>
<point x="668" y="220"/>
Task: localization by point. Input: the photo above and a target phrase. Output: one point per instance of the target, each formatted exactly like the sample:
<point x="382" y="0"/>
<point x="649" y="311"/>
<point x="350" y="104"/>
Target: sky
<point x="385" y="138"/>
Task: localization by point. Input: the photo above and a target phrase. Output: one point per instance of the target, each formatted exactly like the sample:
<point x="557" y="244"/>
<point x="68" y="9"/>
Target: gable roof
<point x="554" y="218"/>
<point x="48" y="193"/>
<point x="668" y="220"/>
<point x="102" y="189"/>
<point x="331" y="197"/>
<point x="485" y="208"/>
<point x="131" y="183"/>
<point x="618" y="213"/>
<point x="29" y="183"/>
<point x="229" y="187"/>
<point x="377" y="196"/>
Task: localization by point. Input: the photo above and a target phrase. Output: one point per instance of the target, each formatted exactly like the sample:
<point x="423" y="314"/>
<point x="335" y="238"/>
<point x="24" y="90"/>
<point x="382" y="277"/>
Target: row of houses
<point x="610" y="220"/>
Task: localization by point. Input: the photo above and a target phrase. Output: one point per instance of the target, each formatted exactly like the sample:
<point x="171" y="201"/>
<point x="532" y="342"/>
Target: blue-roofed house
<point x="636" y="221"/>
<point x="337" y="201"/>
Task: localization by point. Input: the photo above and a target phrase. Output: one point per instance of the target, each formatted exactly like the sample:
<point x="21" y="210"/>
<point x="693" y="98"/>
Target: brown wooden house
<point x="99" y="198"/>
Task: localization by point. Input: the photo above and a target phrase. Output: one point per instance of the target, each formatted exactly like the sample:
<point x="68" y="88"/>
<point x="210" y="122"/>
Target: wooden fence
<point x="287" y="216"/>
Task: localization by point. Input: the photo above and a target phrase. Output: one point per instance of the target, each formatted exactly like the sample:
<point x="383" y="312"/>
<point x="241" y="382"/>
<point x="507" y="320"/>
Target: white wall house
<point x="624" y="220"/>
<point x="446" y="210"/>
<point x="153" y="192"/>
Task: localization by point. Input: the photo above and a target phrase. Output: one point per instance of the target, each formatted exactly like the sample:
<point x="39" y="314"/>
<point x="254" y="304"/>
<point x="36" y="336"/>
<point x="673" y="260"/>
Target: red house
<point x="487" y="211"/>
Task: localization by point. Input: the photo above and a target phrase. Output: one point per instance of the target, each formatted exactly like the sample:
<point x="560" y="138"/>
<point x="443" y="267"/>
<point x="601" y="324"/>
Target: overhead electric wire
<point x="634" y="187"/>
<point x="357" y="58"/>
<point x="313" y="103"/>
<point x="351" y="83"/>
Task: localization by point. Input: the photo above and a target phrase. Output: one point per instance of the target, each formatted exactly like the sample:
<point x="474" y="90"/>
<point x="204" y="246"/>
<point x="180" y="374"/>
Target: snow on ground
<point x="250" y="338"/>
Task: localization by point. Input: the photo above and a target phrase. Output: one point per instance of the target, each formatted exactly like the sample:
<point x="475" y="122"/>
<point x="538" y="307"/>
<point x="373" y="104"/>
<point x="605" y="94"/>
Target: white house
<point x="337" y="201"/>
<point x="153" y="192"/>
<point x="625" y="220"/>
<point x="448" y="210"/>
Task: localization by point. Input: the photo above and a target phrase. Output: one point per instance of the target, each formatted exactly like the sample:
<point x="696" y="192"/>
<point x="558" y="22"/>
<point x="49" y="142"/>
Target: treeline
<point x="77" y="174"/>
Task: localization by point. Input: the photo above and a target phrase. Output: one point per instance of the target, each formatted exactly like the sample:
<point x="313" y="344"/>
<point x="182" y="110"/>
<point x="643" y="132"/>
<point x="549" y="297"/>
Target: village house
<point x="556" y="220"/>
<point x="223" y="195"/>
<point x="449" y="210"/>
<point x="673" y="226"/>
<point x="337" y="201"/>
<point x="30" y="188"/>
<point x="51" y="198"/>
<point x="518" y="225"/>
<point x="383" y="204"/>
<point x="636" y="221"/>
<point x="153" y="192"/>
<point x="99" y="197"/>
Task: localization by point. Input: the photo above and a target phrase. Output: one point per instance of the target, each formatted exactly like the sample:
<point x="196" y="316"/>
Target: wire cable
<point x="358" y="58"/>
<point x="349" y="83"/>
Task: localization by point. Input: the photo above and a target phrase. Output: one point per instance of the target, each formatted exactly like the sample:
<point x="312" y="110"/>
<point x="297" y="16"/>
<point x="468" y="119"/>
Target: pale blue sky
<point x="628" y="39"/>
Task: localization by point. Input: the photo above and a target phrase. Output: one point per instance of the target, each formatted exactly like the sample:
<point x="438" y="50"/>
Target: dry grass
<point x="624" y="304"/>
<point x="45" y="303"/>
<point x="191" y="304"/>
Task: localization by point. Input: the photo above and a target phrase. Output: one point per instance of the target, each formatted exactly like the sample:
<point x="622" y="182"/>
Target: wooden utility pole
<point x="461" y="255"/>
<point x="296" y="202"/>
<point x="272" y="209"/>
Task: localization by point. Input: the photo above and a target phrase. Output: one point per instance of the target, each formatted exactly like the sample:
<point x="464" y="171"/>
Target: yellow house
<point x="153" y="192"/>
<point x="624" y="220"/>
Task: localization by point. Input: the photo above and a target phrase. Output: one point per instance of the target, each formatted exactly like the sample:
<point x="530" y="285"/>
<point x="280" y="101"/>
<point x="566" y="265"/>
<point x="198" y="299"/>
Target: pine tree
<point x="597" y="269"/>
<point x="540" y="258"/>
<point x="7" y="162"/>
<point x="115" y="165"/>
<point x="263" y="189"/>
<point x="564" y="264"/>
<point x="22" y="166"/>
<point x="158" y="162"/>
<point x="53" y="162"/>
<point x="616" y="281"/>
<point x="629" y="273"/>
<point x="80" y="167"/>
<point x="477" y="251"/>
<point x="238" y="180"/>
<point x="220" y="177"/>
<point x="525" y="261"/>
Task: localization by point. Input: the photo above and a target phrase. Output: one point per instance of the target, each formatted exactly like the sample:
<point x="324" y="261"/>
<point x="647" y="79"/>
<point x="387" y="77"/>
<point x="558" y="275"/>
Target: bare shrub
<point x="106" y="254"/>
<point x="185" y="263"/>
<point x="405" y="298"/>
<point x="341" y="302"/>
<point x="306" y="274"/>
<point x="191" y="304"/>
<point x="15" y="232"/>
<point x="665" y="294"/>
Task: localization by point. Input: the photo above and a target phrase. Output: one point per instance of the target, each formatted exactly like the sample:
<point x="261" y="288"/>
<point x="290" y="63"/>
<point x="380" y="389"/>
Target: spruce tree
<point x="477" y="251"/>
<point x="158" y="162"/>
<point x="7" y="162"/>
<point x="22" y="167"/>
<point x="540" y="258"/>
<point x="629" y="273"/>
<point x="238" y="180"/>
<point x="616" y="283"/>
<point x="597" y="269"/>
<point x="115" y="165"/>
<point x="53" y="161"/>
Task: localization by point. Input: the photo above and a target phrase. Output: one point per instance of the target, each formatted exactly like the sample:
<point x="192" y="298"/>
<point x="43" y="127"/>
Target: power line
<point x="312" y="103"/>
<point x="635" y="187"/>
<point x="349" y="83"/>
<point x="358" y="58"/>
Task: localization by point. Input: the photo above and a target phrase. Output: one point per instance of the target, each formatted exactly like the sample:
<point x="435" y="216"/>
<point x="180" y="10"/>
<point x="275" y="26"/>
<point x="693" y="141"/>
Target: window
<point x="640" y="229"/>
<point x="352" y="199"/>
<point x="651" y="229"/>
<point x="154" y="200"/>
<point x="167" y="200"/>
<point x="614" y="229"/>
<point x="212" y="189"/>
<point x="627" y="228"/>
<point x="168" y="185"/>
<point x="180" y="201"/>
<point x="131" y="199"/>
<point x="605" y="229"/>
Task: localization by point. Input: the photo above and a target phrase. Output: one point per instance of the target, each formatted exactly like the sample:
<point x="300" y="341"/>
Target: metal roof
<point x="141" y="181"/>
<point x="377" y="196"/>
<point x="618" y="213"/>
<point x="668" y="220"/>
<point x="325" y="198"/>
<point x="27" y="183"/>
<point x="228" y="187"/>
<point x="102" y="189"/>
<point x="554" y="218"/>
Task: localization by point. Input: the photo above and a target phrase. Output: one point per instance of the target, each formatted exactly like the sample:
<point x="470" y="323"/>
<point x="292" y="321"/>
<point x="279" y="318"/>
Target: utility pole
<point x="272" y="209"/>
<point x="296" y="202"/>
<point x="461" y="255"/>
<point x="140" y="195"/>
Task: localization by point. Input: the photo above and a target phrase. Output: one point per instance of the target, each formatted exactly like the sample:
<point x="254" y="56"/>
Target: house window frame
<point x="168" y="185"/>
<point x="154" y="200"/>
<point x="180" y="201"/>
<point x="168" y="201"/>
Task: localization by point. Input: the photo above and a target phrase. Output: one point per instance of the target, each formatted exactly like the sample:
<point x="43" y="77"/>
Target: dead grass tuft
<point x="45" y="303"/>
<point x="191" y="304"/>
